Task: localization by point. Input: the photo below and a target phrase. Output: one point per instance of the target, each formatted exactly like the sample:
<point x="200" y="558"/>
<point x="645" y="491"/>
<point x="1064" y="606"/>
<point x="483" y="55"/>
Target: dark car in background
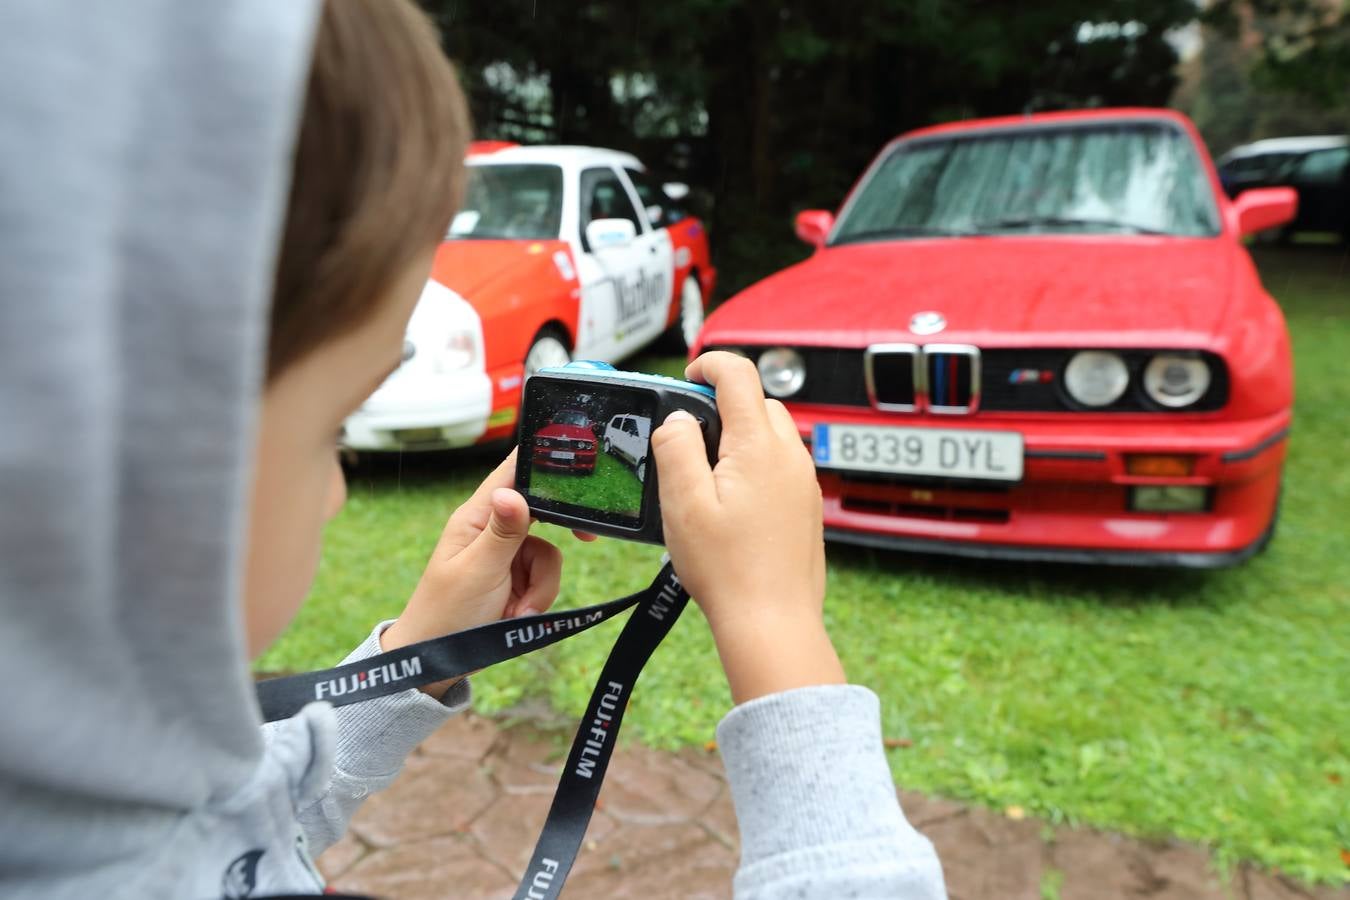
<point x="1318" y="168"/>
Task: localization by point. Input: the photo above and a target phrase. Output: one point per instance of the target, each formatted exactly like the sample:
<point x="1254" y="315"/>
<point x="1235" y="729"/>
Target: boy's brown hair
<point x="379" y="171"/>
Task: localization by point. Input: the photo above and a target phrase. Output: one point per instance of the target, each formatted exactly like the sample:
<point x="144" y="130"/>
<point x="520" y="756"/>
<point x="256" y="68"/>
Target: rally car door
<point x="621" y="287"/>
<point x="645" y="309"/>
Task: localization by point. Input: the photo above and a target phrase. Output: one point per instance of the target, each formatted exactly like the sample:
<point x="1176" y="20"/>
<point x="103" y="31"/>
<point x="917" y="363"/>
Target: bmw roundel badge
<point x="927" y="322"/>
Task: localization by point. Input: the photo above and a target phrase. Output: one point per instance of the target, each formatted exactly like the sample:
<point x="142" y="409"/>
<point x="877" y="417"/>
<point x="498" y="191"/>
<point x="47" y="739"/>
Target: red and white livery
<point x="557" y="253"/>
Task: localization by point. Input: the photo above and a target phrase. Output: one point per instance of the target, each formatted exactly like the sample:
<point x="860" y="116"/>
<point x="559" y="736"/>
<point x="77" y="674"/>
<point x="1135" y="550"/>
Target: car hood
<point x="490" y="273"/>
<point x="1010" y="291"/>
<point x="571" y="432"/>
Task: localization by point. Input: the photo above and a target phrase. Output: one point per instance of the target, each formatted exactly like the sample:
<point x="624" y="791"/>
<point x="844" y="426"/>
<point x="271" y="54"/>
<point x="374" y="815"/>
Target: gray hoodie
<point x="144" y="161"/>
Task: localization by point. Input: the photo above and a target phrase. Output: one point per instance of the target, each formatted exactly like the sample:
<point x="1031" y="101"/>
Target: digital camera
<point x="585" y="445"/>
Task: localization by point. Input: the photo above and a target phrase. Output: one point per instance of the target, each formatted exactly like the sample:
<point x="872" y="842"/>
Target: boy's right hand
<point x="746" y="536"/>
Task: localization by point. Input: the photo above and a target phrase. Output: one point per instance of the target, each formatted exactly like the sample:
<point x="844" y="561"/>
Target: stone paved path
<point x="461" y="821"/>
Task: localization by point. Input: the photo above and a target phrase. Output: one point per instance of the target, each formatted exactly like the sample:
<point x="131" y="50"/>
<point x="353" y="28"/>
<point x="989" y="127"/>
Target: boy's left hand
<point x="486" y="566"/>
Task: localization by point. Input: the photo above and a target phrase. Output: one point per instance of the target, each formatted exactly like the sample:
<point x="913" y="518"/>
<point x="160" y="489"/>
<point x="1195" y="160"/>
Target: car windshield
<point x="1136" y="178"/>
<point x="521" y="202"/>
<point x="572" y="417"/>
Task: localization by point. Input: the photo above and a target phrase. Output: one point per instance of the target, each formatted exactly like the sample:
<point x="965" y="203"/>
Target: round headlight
<point x="1175" y="381"/>
<point x="782" y="371"/>
<point x="1096" y="377"/>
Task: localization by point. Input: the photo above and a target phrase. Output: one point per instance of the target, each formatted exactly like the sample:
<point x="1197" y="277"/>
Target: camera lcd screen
<point x="588" y="447"/>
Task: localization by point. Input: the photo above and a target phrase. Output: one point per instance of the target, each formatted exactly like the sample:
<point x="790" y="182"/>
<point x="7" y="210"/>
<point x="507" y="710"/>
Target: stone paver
<point x="462" y="819"/>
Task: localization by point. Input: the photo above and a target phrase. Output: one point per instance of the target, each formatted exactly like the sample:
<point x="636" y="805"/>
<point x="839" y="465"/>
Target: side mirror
<point x="609" y="234"/>
<point x="813" y="226"/>
<point x="1262" y="208"/>
<point x="675" y="190"/>
<point x="655" y="214"/>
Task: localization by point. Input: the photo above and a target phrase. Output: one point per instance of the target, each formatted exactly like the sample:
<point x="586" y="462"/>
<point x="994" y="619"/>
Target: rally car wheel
<point x="548" y="349"/>
<point x="684" y="331"/>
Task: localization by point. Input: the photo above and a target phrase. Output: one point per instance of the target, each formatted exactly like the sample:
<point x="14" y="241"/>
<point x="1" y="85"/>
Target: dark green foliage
<point x="1305" y="44"/>
<point x="776" y="107"/>
<point x="1269" y="69"/>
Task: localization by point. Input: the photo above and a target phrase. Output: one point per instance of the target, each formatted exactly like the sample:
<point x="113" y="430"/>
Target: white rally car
<point x="628" y="438"/>
<point x="558" y="253"/>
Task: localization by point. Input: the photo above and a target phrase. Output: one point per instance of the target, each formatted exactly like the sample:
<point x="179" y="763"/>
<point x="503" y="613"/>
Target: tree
<point x="775" y="107"/>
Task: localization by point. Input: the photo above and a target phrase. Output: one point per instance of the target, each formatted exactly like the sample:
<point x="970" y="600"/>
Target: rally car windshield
<point x="1119" y="178"/>
<point x="518" y="202"/>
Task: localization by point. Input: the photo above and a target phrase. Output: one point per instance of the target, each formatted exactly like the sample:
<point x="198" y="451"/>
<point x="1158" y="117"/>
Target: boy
<point x="146" y="162"/>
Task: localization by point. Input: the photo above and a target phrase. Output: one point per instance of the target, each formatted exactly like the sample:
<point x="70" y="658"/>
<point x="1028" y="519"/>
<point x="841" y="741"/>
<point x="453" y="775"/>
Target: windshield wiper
<point x="1033" y="221"/>
<point x="901" y="231"/>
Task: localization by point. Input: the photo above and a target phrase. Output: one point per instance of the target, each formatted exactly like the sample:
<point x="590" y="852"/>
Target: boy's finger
<point x="543" y="577"/>
<point x="473" y="515"/>
<point x="682" y="460"/>
<point x="781" y="420"/>
<point x="740" y="397"/>
<point x="507" y="527"/>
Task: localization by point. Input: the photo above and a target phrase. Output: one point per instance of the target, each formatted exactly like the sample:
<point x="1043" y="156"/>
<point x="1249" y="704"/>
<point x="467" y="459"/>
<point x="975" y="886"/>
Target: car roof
<point x="567" y="155"/>
<point x="1304" y="144"/>
<point x="1066" y="117"/>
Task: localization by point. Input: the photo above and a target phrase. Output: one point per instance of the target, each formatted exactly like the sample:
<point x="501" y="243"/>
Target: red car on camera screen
<point x="567" y="443"/>
<point x="1038" y="338"/>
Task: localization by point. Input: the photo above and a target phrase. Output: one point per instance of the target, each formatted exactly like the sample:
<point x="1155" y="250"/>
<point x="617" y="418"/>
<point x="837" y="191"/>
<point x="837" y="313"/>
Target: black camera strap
<point x="458" y="654"/>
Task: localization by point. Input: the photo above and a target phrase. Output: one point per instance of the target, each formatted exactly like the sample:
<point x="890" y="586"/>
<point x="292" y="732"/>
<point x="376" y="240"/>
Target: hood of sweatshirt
<point x="145" y="158"/>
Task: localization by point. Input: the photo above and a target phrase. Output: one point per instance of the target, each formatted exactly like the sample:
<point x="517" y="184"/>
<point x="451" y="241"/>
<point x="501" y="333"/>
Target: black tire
<point x="607" y="447"/>
<point x="641" y="469"/>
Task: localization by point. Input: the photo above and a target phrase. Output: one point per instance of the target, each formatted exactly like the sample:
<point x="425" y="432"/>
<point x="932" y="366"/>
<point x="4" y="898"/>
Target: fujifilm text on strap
<point x="584" y="771"/>
<point x="427" y="662"/>
<point x="658" y="607"/>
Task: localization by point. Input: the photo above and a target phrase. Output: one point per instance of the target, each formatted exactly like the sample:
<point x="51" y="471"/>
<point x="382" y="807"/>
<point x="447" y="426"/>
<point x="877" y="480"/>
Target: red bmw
<point x="1036" y="338"/>
<point x="566" y="444"/>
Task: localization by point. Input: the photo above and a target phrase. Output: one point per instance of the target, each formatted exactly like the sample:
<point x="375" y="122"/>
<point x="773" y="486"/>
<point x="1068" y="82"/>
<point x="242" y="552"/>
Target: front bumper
<point x="584" y="461"/>
<point x="1073" y="501"/>
<point x="422" y="412"/>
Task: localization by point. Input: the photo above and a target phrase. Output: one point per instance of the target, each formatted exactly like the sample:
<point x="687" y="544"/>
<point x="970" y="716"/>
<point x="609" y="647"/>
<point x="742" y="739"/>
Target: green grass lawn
<point x="1210" y="706"/>
<point x="611" y="487"/>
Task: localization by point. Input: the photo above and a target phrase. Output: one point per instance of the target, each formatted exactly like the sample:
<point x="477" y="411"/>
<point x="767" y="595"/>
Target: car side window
<point x="655" y="199"/>
<point x="1324" y="166"/>
<point x="603" y="197"/>
<point x="629" y="426"/>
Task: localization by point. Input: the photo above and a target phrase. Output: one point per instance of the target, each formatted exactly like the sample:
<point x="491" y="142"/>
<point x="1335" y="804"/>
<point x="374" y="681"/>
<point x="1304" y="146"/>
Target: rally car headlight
<point x="1096" y="377"/>
<point x="1174" y="381"/>
<point x="460" y="350"/>
<point x="783" y="371"/>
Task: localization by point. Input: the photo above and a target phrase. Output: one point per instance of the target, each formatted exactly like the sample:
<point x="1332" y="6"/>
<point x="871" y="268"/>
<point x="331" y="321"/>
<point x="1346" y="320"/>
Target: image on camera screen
<point x="588" y="448"/>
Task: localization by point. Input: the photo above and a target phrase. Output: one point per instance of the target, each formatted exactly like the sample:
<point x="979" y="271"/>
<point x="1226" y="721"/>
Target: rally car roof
<point x="571" y="156"/>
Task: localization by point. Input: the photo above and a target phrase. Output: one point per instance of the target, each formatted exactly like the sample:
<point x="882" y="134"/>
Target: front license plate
<point x="945" y="452"/>
<point x="563" y="454"/>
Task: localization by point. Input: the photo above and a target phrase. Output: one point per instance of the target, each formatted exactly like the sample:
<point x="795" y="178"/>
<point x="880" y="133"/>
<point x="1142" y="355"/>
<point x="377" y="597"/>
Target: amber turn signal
<point x="1159" y="465"/>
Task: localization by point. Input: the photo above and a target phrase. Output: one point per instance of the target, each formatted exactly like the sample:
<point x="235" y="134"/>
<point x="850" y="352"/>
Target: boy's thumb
<point x="682" y="459"/>
<point x="507" y="528"/>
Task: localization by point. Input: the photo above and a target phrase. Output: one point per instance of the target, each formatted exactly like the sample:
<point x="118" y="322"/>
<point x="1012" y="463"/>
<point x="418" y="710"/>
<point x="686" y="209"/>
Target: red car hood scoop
<point x="991" y="291"/>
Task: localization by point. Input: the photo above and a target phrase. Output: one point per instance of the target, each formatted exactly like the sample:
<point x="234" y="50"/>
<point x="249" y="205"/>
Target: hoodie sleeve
<point x="366" y="750"/>
<point x="815" y="801"/>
